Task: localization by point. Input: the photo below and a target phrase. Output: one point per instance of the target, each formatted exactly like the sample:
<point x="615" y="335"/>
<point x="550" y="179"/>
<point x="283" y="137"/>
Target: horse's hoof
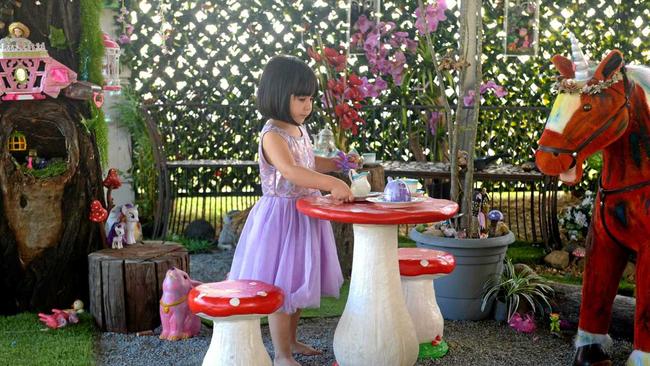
<point x="591" y="355"/>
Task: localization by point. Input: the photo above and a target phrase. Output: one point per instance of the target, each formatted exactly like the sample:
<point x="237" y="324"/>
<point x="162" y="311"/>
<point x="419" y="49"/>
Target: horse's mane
<point x="640" y="75"/>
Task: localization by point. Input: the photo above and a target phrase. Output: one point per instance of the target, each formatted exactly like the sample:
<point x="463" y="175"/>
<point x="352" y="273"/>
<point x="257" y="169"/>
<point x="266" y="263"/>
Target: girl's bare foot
<point x="285" y="361"/>
<point x="305" y="349"/>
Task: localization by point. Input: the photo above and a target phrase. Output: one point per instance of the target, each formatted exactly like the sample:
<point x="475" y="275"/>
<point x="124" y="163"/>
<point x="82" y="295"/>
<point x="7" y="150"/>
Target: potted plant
<point x="479" y="256"/>
<point x="516" y="288"/>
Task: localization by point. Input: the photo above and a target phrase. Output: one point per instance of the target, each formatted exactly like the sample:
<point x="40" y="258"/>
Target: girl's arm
<point x="276" y="151"/>
<point x="325" y="165"/>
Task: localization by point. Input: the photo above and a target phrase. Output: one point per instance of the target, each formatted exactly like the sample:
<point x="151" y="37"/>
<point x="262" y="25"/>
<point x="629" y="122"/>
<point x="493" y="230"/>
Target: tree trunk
<point x="44" y="226"/>
<point x="45" y="233"/>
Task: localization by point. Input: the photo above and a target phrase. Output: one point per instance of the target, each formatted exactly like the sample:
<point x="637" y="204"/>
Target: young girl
<point x="278" y="244"/>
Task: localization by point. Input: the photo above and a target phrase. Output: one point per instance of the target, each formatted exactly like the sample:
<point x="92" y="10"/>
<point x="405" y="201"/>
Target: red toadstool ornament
<point x="112" y="180"/>
<point x="97" y="212"/>
<point x="418" y="267"/>
<point x="236" y="308"/>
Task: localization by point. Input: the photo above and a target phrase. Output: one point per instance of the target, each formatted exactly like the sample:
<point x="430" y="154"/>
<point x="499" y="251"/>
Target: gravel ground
<point x="470" y="343"/>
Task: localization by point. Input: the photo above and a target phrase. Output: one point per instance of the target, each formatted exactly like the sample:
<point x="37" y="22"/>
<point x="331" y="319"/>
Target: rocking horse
<point x="606" y="109"/>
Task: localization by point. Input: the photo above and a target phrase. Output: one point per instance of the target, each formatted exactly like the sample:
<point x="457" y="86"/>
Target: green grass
<point x="524" y="252"/>
<point x="24" y="342"/>
<point x="193" y="246"/>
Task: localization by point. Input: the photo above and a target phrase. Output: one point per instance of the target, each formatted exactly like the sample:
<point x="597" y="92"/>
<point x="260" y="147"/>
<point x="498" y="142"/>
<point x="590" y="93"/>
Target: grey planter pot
<point x="500" y="311"/>
<point x="459" y="294"/>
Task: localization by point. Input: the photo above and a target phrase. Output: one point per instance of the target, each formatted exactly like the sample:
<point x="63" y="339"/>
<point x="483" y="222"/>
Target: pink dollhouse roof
<point x="45" y="75"/>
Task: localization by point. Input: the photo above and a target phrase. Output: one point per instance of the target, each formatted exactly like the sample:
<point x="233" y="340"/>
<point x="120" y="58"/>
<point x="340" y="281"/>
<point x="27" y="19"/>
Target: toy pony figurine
<point x="606" y="109"/>
<point x="127" y="215"/>
<point x="118" y="239"/>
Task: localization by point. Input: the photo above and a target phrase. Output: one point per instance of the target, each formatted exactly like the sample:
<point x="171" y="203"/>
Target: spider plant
<point x="515" y="285"/>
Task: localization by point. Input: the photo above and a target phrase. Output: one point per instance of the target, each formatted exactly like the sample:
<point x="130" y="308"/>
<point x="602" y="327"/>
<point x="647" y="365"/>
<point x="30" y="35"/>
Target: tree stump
<point x="126" y="284"/>
<point x="343" y="233"/>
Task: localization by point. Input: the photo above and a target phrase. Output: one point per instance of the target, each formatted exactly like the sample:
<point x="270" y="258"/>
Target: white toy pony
<point x="128" y="216"/>
<point x="119" y="236"/>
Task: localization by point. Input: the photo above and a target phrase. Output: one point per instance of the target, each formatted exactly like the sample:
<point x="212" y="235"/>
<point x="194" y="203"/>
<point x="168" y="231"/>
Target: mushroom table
<point x="375" y="328"/>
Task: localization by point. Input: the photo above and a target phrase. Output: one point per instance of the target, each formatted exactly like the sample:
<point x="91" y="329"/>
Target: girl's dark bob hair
<point x="282" y="77"/>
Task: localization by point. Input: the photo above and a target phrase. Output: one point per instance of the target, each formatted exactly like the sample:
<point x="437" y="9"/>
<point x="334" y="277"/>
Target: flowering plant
<point x="436" y="82"/>
<point x="343" y="92"/>
<point x="574" y="220"/>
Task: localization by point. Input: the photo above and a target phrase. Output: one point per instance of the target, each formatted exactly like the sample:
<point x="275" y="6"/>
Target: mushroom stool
<point x="236" y="307"/>
<point x="418" y="267"/>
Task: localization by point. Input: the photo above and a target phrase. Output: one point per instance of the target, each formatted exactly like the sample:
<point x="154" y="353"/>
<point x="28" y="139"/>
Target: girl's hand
<point x="341" y="192"/>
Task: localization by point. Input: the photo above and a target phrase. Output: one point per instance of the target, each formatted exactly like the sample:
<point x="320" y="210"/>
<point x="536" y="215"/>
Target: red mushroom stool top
<point x="420" y="262"/>
<point x="238" y="297"/>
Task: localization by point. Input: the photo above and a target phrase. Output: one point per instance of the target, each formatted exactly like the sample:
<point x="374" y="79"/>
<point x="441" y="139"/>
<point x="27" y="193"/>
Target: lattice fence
<point x="208" y="55"/>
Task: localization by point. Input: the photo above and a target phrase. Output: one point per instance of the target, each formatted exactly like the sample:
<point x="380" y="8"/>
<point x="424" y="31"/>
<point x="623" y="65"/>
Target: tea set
<point x="398" y="192"/>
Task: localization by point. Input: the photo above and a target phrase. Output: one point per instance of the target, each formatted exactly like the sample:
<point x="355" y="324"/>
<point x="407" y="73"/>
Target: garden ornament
<point x="236" y="307"/>
<point x="605" y="109"/>
<point x="28" y="70"/>
<point x="325" y="144"/>
<point x="418" y="269"/>
<point x="359" y="184"/>
<point x="396" y="191"/>
<point x="494" y="216"/>
<point x="522" y="324"/>
<point x="61" y="318"/>
<point x="128" y="215"/>
<point x="555" y="322"/>
<point x="177" y="320"/>
<point x="118" y="238"/>
<point x="97" y="212"/>
<point x="111" y="182"/>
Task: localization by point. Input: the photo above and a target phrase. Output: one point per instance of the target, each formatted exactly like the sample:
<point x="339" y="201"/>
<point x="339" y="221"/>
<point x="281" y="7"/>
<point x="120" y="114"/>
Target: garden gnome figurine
<point x="177" y="320"/>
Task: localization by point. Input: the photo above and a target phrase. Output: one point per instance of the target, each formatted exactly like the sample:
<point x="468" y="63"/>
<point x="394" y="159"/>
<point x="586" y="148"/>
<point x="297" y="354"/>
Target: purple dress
<point x="281" y="246"/>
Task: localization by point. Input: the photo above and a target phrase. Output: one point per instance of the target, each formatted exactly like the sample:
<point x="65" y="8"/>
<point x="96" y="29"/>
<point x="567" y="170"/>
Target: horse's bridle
<point x="574" y="153"/>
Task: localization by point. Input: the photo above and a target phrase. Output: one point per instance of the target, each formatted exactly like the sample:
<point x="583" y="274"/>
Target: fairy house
<point x="49" y="162"/>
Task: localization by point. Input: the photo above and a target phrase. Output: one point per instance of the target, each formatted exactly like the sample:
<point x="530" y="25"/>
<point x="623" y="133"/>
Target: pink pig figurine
<point x="177" y="320"/>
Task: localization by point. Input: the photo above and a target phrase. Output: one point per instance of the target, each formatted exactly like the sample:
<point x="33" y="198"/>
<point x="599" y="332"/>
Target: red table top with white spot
<point x="428" y="210"/>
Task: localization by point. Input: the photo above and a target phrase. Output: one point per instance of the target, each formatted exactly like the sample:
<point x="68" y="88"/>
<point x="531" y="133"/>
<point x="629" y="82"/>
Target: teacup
<point x="369" y="158"/>
<point x="412" y="184"/>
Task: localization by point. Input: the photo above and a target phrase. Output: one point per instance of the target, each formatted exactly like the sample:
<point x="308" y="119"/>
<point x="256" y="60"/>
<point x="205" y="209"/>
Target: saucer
<point x="380" y="200"/>
<point x="369" y="195"/>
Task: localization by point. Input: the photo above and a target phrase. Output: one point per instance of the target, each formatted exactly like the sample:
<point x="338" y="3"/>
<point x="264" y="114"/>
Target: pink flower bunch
<point x="127" y="28"/>
<point x="433" y="14"/>
<point x="499" y="90"/>
<point x="384" y="47"/>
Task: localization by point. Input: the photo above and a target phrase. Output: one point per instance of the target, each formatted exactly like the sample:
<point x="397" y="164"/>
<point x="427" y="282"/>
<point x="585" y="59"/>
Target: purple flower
<point x="500" y="91"/>
<point x="433" y="13"/>
<point x="468" y="100"/>
<point x="129" y="29"/>
<point x="124" y="39"/>
<point x="381" y="84"/>
<point x="342" y="162"/>
<point x="434" y="118"/>
<point x="363" y="24"/>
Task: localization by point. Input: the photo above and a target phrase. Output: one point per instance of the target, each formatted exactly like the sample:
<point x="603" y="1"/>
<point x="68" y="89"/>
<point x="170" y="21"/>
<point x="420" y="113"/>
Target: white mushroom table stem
<point x="418" y="268"/>
<point x="236" y="307"/>
<point x="375" y="328"/>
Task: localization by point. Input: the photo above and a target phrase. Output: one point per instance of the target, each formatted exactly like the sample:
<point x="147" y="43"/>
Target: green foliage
<point x="23" y="341"/>
<point x="57" y="38"/>
<point x="193" y="245"/>
<point x="143" y="170"/>
<point x="91" y="54"/>
<point x="53" y="169"/>
<point x="625" y="288"/>
<point x="524" y="252"/>
<point x="516" y="285"/>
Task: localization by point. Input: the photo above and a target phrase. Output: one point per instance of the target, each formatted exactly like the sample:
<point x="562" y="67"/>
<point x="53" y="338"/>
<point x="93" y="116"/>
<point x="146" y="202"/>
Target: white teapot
<point x="359" y="183"/>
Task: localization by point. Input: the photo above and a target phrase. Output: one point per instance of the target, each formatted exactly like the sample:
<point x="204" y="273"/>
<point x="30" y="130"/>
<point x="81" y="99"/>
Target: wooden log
<point x="343" y="233"/>
<point x="126" y="284"/>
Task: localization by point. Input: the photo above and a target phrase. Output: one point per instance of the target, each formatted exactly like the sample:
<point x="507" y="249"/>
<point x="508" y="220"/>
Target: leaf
<point x="57" y="38"/>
